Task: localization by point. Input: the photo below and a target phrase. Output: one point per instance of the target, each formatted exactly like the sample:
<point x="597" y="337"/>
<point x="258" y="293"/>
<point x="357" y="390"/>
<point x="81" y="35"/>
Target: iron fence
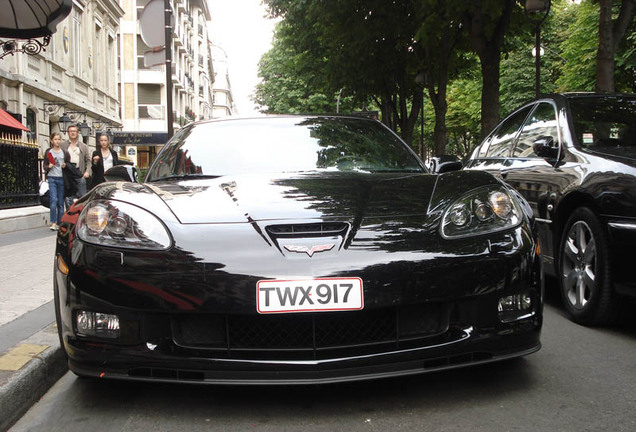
<point x="20" y="172"/>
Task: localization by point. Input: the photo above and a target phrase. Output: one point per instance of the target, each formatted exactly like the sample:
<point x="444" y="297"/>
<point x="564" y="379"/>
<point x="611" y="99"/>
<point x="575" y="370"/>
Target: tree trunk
<point x="440" y="106"/>
<point x="487" y="45"/>
<point x="605" y="53"/>
<point x="610" y="36"/>
<point x="490" y="63"/>
<point x="410" y="120"/>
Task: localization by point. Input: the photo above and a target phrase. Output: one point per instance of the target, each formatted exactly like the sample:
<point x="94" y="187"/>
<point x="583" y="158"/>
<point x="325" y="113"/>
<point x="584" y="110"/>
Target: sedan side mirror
<point x="125" y="173"/>
<point x="544" y="147"/>
<point x="445" y="163"/>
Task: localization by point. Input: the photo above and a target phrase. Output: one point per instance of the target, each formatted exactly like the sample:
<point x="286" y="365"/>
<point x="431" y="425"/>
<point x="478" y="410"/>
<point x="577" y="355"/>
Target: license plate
<point x="309" y="295"/>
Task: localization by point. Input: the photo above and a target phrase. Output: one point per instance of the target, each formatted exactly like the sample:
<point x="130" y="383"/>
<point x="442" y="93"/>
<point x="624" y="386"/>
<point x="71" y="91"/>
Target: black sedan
<point x="573" y="157"/>
<point x="294" y="250"/>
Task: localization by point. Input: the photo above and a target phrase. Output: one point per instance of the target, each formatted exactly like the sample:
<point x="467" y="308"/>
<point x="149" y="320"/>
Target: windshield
<point x="283" y="144"/>
<point x="604" y="121"/>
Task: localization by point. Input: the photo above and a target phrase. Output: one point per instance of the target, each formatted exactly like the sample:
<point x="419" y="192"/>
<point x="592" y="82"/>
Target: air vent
<point x="322" y="229"/>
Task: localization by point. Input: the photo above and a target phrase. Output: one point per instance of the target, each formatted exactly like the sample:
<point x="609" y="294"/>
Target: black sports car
<point x="290" y="249"/>
<point x="573" y="157"/>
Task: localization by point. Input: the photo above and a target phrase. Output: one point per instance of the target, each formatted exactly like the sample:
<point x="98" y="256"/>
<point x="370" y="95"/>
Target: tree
<point x="611" y="33"/>
<point x="288" y="82"/>
<point x="439" y="40"/>
<point x="580" y="50"/>
<point x="463" y="117"/>
<point x="365" y="47"/>
<point x="625" y="76"/>
<point x="488" y="21"/>
<point x="518" y="63"/>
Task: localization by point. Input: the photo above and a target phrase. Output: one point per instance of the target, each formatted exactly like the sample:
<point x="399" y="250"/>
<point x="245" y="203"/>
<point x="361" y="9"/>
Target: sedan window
<point x="504" y="138"/>
<point x="604" y="121"/>
<point x="541" y="123"/>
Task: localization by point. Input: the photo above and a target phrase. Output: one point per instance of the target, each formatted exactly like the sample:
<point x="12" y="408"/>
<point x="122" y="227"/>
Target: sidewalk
<point x="31" y="359"/>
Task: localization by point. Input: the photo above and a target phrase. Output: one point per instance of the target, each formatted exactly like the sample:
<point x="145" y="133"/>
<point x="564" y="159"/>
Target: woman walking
<point x="104" y="158"/>
<point x="55" y="160"/>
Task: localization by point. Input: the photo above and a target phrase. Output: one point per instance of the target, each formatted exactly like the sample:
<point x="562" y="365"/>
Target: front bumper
<point x="139" y="367"/>
<point x="153" y="347"/>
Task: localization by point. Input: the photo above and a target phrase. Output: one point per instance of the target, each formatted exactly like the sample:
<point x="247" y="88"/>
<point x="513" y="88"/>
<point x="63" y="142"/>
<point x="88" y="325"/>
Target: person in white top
<point x="103" y="159"/>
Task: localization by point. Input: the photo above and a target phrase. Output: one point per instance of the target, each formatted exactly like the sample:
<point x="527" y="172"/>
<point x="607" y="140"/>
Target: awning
<point x="26" y="19"/>
<point x="139" y="138"/>
<point x="7" y="120"/>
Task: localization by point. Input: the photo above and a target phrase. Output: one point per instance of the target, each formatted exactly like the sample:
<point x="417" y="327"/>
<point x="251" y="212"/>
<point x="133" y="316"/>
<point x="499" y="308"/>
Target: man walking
<point x="80" y="157"/>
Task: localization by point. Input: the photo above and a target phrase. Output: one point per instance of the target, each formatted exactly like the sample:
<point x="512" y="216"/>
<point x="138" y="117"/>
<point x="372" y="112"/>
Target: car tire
<point x="58" y="314"/>
<point x="584" y="270"/>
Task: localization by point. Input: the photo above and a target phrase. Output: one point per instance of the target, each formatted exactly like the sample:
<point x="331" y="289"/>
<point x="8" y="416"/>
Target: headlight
<point x="114" y="223"/>
<point x="481" y="211"/>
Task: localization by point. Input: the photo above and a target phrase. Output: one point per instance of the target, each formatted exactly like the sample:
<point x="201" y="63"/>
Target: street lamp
<point x="537" y="11"/>
<point x="70" y="118"/>
<point x="84" y="128"/>
<point x="64" y="122"/>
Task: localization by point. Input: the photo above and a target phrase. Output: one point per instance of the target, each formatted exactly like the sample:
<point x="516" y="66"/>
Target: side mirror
<point x="445" y="163"/>
<point x="125" y="173"/>
<point x="544" y="147"/>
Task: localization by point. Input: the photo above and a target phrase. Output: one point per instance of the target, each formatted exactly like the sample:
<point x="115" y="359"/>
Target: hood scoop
<point x="308" y="239"/>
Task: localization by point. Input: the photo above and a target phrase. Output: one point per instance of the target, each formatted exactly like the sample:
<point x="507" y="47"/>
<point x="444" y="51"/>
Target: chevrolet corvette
<point x="294" y="250"/>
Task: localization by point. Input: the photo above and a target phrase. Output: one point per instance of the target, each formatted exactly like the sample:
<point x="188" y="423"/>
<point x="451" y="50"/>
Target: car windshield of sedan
<point x="604" y="121"/>
<point x="282" y="144"/>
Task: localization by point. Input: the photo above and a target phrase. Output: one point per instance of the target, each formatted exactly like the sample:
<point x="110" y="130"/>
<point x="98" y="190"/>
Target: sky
<point x="241" y="29"/>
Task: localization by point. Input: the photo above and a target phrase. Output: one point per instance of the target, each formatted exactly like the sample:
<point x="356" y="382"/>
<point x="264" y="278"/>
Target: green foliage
<point x="579" y="49"/>
<point x="463" y="116"/>
<point x="364" y="48"/>
<point x="626" y="61"/>
<point x="289" y="85"/>
<point x="370" y="52"/>
<point x="518" y="65"/>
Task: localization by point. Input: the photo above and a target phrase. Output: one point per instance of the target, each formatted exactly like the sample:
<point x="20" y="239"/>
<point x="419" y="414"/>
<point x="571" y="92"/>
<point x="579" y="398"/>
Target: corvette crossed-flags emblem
<point x="309" y="251"/>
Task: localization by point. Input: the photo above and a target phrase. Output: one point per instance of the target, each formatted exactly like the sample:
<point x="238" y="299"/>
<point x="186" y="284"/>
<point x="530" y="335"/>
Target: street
<point x="583" y="379"/>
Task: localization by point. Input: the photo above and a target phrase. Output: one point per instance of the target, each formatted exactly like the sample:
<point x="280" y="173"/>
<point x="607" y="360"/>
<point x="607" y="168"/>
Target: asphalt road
<point x="583" y="379"/>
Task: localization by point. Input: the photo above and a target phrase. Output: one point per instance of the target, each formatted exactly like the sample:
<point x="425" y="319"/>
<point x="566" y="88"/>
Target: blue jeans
<point x="56" y="193"/>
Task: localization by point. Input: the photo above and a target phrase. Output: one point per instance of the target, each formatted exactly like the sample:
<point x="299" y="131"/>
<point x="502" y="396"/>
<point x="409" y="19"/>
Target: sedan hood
<point x="300" y="196"/>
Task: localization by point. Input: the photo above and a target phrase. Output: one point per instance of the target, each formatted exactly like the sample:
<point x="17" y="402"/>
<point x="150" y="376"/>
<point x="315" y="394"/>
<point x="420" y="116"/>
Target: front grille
<point x="310" y="335"/>
<point x="322" y="229"/>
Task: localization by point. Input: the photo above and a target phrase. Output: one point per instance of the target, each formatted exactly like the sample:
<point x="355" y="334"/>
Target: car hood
<point x="324" y="195"/>
<point x="626" y="155"/>
<point x="232" y="199"/>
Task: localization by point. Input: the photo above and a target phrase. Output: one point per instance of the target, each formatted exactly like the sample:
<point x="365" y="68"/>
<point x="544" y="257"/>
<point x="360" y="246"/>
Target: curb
<point x="21" y="389"/>
<point x="17" y="219"/>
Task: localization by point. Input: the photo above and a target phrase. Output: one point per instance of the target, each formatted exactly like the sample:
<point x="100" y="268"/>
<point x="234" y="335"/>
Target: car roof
<point x="283" y="116"/>
<point x="574" y="95"/>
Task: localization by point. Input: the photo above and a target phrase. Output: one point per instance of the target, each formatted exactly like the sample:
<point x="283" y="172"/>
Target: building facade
<point x="143" y="88"/>
<point x="99" y="72"/>
<point x="223" y="102"/>
<point x="74" y="75"/>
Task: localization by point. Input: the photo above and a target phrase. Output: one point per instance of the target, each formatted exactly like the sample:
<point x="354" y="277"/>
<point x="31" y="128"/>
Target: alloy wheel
<point x="579" y="265"/>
